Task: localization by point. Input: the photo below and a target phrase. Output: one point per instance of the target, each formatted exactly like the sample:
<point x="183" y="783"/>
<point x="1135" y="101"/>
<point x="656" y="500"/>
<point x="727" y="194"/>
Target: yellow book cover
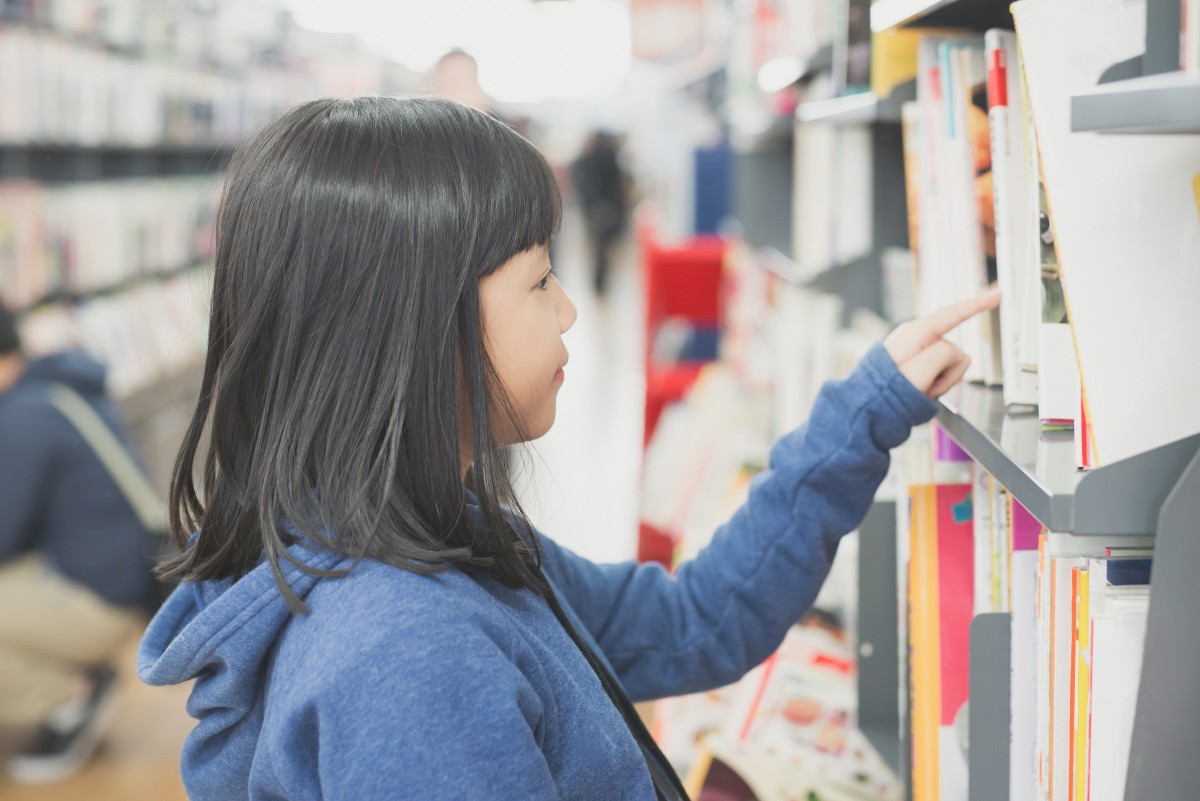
<point x="894" y="55"/>
<point x="1083" y="685"/>
<point x="922" y="627"/>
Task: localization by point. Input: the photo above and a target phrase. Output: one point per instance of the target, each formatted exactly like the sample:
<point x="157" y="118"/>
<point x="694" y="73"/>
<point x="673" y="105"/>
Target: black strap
<point x="667" y="785"/>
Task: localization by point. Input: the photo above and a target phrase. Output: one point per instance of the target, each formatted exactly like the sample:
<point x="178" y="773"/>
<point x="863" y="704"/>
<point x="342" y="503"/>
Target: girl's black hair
<point x="346" y="354"/>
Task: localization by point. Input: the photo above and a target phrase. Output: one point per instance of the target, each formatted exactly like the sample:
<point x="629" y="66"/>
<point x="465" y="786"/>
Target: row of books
<point x="154" y="329"/>
<point x="1001" y="190"/>
<point x="213" y="32"/>
<point x="57" y="91"/>
<point x="225" y="35"/>
<point x="73" y="239"/>
<point x="1078" y="610"/>
<point x="975" y="218"/>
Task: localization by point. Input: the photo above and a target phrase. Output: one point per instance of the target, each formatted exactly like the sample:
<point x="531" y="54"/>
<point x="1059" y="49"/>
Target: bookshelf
<point x="54" y="163"/>
<point x="974" y="14"/>
<point x="865" y="108"/>
<point x="1038" y="468"/>
<point x="1155" y="493"/>
<point x="111" y="289"/>
<point x="1168" y="103"/>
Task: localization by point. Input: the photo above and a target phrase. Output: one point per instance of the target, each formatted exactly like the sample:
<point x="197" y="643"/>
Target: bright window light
<point x="527" y="51"/>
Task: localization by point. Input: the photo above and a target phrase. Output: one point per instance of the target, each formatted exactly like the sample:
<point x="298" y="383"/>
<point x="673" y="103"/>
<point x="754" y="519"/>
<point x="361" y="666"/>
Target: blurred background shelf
<point x="52" y="163"/>
<point x="1038" y="468"/>
<point x="1154" y="104"/>
<point x="112" y="289"/>
<point x="866" y="108"/>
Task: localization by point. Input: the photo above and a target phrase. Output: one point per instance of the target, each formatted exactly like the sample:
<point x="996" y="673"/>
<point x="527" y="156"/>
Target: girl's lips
<point x="560" y="375"/>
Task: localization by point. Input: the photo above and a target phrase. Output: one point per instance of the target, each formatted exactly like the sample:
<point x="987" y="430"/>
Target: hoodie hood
<point x="222" y="634"/>
<point x="79" y="372"/>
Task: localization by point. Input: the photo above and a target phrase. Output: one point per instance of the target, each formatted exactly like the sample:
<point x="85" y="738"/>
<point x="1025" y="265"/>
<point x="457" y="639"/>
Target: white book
<point x="1126" y="228"/>
<point x="985" y="537"/>
<point x="1044" y="682"/>
<point x="961" y="66"/>
<point x="1062" y="657"/>
<point x="1058" y="374"/>
<point x="1024" y="658"/>
<point x="1016" y="270"/>
<point x="1118" y="638"/>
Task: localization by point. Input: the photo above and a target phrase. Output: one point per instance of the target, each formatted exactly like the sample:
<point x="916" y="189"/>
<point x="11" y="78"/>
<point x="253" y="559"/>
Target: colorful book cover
<point x="1083" y="683"/>
<point x="941" y="607"/>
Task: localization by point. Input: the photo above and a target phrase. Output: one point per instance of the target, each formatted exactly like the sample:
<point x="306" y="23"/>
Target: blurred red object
<point x="681" y="282"/>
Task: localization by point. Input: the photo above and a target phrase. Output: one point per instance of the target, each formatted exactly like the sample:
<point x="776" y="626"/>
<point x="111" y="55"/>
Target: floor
<point x="579" y="485"/>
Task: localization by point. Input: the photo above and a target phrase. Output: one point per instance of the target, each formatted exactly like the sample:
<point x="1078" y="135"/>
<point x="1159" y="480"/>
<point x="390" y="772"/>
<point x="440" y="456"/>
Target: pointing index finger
<point x="946" y="320"/>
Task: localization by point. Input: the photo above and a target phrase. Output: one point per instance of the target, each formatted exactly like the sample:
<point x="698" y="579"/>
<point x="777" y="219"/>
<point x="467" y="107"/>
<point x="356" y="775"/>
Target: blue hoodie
<point x="400" y="686"/>
<point x="56" y="496"/>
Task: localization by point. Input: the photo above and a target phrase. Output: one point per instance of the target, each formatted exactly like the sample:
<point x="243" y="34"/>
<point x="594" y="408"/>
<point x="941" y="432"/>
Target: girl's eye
<point x="544" y="284"/>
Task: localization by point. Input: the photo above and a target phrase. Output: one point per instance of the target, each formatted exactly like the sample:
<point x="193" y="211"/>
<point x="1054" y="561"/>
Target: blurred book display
<point x="142" y="74"/>
<point x="105" y="237"/>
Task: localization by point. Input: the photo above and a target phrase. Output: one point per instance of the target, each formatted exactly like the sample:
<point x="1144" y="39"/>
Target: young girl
<point x="367" y="613"/>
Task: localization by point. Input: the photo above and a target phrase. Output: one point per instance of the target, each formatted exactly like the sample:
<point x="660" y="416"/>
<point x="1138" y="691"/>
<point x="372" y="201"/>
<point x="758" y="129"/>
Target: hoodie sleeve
<point x="728" y="609"/>
<point x="28" y="443"/>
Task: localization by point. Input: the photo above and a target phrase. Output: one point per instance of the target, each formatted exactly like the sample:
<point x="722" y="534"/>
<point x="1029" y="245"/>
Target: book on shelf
<point x="833" y="184"/>
<point x="1125" y="228"/>
<point x="1189" y="37"/>
<point x="80" y="238"/>
<point x="145" y="333"/>
<point x="206" y="82"/>
<point x="953" y="188"/>
<point x="1015" y="272"/>
<point x="1092" y="612"/>
<point x="1078" y="608"/>
<point x="940" y="604"/>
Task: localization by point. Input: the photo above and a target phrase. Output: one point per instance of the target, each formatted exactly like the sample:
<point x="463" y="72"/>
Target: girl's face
<point x="525" y="313"/>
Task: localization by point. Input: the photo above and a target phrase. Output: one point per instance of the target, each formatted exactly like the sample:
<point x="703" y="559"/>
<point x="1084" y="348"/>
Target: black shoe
<point x="67" y="740"/>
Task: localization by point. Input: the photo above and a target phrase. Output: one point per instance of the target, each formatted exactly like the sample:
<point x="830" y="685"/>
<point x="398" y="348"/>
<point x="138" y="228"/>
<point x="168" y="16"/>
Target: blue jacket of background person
<point x="55" y="495"/>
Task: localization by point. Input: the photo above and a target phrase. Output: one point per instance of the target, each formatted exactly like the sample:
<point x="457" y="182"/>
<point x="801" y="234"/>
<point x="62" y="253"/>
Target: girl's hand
<point x="928" y="361"/>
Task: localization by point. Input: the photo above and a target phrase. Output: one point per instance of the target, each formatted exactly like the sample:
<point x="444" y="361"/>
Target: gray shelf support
<point x="1131" y="491"/>
<point x="1166" y="725"/>
<point x="878" y="645"/>
<point x="989" y="713"/>
<point x="1162" y="37"/>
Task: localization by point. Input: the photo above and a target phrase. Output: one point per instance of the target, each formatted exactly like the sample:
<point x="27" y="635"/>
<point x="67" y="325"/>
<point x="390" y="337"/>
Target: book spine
<point x="1189" y="36"/>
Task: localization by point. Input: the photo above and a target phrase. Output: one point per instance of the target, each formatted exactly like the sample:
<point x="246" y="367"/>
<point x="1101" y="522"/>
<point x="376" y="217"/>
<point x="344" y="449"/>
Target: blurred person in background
<point x="600" y="187"/>
<point x="73" y="561"/>
<point x="455" y="77"/>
